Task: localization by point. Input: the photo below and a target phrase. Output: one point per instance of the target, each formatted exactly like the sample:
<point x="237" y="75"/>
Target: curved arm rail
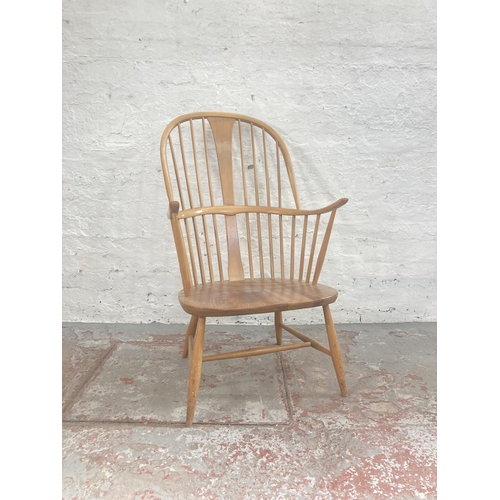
<point x="310" y="252"/>
<point x="245" y="209"/>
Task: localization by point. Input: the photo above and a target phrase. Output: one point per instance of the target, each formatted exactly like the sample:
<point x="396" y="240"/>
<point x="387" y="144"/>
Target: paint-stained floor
<point x="266" y="427"/>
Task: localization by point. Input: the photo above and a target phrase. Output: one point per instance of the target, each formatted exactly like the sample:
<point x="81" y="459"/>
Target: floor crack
<point x="83" y="385"/>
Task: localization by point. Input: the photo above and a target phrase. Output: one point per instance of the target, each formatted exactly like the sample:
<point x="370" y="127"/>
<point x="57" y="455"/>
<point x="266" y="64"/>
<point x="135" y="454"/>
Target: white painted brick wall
<point x="351" y="87"/>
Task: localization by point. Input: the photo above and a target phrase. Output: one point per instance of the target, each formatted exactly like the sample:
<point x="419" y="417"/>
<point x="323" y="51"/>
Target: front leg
<point x="195" y="370"/>
<point x="335" y="350"/>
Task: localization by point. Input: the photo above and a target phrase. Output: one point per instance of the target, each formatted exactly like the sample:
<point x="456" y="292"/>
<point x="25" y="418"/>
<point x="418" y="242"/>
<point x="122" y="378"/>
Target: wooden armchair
<point x="244" y="245"/>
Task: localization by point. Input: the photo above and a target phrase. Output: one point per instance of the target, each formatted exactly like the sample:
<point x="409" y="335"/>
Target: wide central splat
<point x="222" y="129"/>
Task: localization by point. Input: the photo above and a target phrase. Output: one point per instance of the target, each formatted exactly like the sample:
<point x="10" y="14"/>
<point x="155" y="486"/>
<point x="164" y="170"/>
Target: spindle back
<point x="218" y="159"/>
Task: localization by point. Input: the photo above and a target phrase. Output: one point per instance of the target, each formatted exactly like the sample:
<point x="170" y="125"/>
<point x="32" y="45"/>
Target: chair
<point x="244" y="245"/>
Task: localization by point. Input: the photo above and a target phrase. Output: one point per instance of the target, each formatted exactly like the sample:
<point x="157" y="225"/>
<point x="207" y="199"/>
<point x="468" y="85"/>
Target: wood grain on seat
<point x="230" y="298"/>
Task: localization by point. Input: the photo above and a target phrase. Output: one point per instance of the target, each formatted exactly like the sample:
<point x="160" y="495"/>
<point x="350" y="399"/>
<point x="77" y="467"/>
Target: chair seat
<point x="231" y="298"/>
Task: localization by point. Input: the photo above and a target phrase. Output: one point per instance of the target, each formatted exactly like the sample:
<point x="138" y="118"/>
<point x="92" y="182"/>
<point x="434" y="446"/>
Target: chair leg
<point x="195" y="370"/>
<point x="278" y="319"/>
<point x="190" y="333"/>
<point x="335" y="350"/>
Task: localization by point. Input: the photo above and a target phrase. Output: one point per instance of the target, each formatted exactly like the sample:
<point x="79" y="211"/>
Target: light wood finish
<point x="180" y="248"/>
<point x="190" y="347"/>
<point x="312" y="255"/>
<point x="313" y="247"/>
<point x="233" y="210"/>
<point x="212" y="202"/>
<point x="303" y="247"/>
<point x="254" y="351"/>
<point x="222" y="129"/>
<point x="195" y="370"/>
<point x="189" y="335"/>
<point x="229" y="177"/>
<point x="173" y="208"/>
<point x="231" y="298"/>
<point x="200" y="197"/>
<point x="305" y="338"/>
<point x="335" y="350"/>
<point x="278" y="319"/>
<point x="324" y="245"/>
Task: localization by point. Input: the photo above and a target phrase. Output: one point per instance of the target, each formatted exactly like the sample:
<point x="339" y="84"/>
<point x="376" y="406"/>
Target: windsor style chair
<point x="244" y="245"/>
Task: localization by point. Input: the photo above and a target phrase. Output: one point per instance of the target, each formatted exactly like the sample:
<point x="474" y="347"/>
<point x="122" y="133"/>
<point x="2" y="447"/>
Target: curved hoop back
<point x="223" y="159"/>
<point x="214" y="159"/>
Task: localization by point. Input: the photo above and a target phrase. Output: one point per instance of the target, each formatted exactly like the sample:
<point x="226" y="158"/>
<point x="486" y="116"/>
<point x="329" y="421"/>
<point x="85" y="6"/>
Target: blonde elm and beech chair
<point x="243" y="243"/>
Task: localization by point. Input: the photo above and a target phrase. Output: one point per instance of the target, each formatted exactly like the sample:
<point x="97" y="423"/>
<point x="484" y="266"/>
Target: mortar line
<point x="83" y="385"/>
<point x="287" y="393"/>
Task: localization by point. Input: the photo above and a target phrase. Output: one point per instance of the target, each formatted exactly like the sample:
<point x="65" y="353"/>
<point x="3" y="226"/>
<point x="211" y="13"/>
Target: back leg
<point x="190" y="333"/>
<point x="278" y="319"/>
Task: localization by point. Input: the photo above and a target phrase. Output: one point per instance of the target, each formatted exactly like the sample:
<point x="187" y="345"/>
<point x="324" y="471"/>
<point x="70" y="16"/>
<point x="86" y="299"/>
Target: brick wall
<point x="351" y="87"/>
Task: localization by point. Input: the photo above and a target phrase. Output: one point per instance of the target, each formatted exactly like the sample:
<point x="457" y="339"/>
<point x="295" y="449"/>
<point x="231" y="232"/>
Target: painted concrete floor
<point x="266" y="427"/>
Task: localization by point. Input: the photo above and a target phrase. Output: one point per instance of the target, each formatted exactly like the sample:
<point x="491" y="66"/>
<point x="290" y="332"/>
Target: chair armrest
<point x="309" y="251"/>
<point x="245" y="209"/>
<point x="173" y="208"/>
<point x="333" y="206"/>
